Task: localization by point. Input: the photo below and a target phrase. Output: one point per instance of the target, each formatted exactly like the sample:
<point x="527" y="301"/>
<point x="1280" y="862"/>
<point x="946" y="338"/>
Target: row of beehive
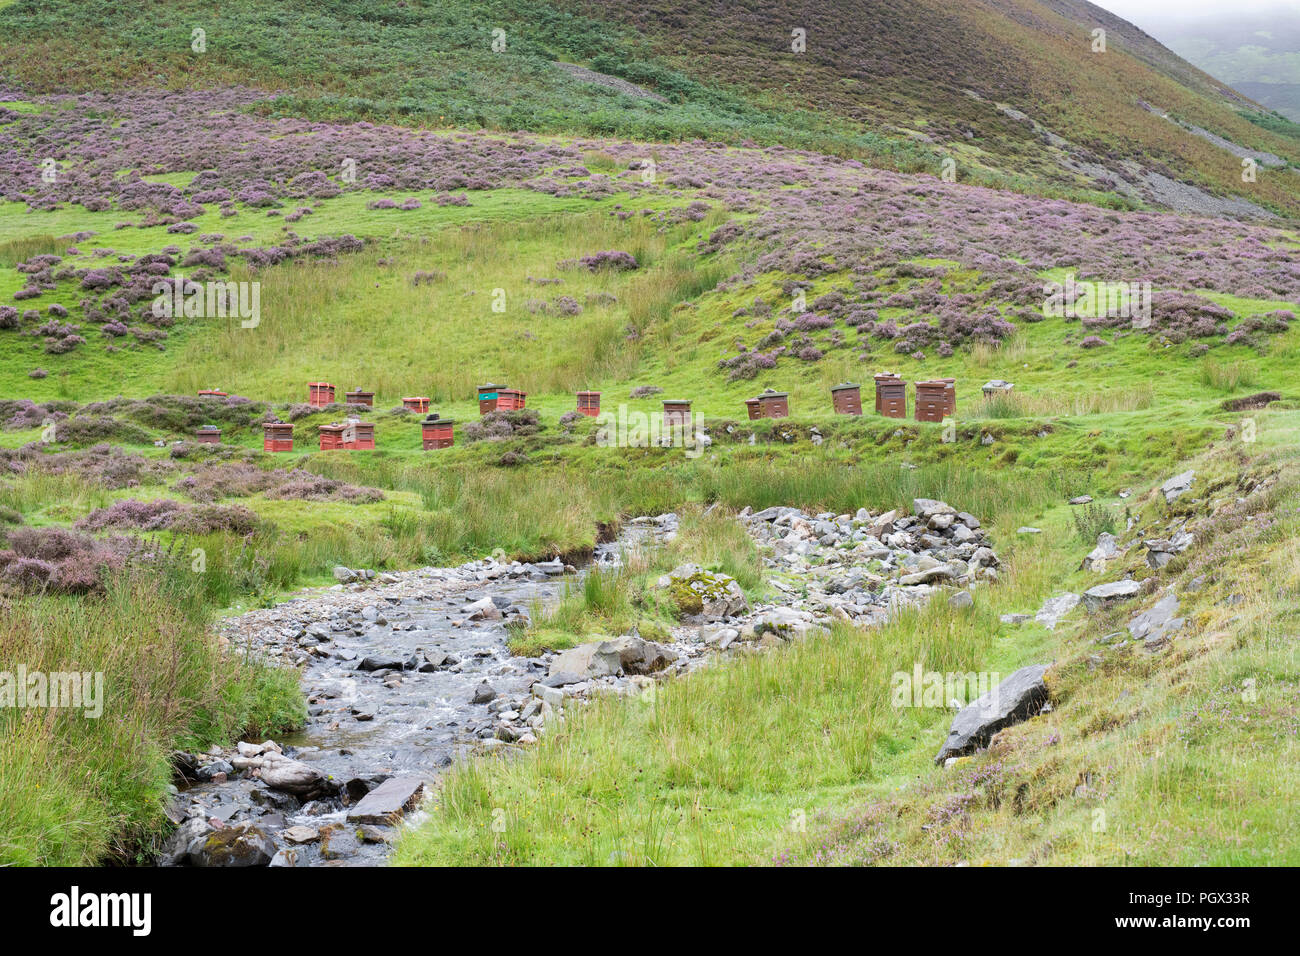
<point x="935" y="400"/>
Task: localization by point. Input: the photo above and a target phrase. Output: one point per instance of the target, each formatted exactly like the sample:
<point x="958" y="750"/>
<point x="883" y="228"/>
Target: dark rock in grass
<point x="1019" y="697"/>
<point x="1258" y="400"/>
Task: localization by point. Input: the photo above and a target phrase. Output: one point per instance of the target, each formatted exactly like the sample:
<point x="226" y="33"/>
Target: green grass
<point x="78" y="789"/>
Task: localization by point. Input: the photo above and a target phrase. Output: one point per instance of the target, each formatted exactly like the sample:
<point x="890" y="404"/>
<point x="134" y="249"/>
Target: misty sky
<point x="1162" y="11"/>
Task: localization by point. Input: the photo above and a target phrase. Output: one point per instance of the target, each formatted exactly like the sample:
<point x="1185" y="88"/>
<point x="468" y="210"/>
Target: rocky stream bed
<point x="405" y="673"/>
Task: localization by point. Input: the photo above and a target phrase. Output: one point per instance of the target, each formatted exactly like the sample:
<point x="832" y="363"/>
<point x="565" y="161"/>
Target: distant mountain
<point x="1257" y="54"/>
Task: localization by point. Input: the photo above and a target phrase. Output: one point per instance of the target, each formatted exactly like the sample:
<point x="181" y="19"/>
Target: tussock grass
<point x="1228" y="376"/>
<point x="79" y="789"/>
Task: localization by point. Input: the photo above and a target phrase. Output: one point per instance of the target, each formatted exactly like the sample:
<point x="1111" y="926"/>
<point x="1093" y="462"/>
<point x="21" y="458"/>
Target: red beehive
<point x="359" y="436"/>
<point x="209" y="435"/>
<point x="774" y="404"/>
<point x="437" y="432"/>
<point x="359" y="397"/>
<point x="846" y="399"/>
<point x="277" y="436"/>
<point x="320" y="394"/>
<point x="950" y="397"/>
<point x="589" y="404"/>
<point x="211" y="393"/>
<point x="931" y="400"/>
<point x="331" y="436"/>
<point x="417" y="404"/>
<point x="753" y="408"/>
<point x="677" y="412"/>
<point x="487" y="397"/>
<point x="891" y="396"/>
<point x="510" y="399"/>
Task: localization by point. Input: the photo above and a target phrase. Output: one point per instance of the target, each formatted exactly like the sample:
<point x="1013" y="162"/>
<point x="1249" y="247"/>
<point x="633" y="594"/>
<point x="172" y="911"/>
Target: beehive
<point x="754" y="410"/>
<point x="320" y="394"/>
<point x="487" y="397"/>
<point x="950" y="397"/>
<point x="277" y="436"/>
<point x="677" y="413"/>
<point x="510" y="399"/>
<point x="360" y="397"/>
<point x="931" y="400"/>
<point x="437" y="432"/>
<point x="589" y="404"/>
<point x="774" y="404"/>
<point x="331" y="436"/>
<point x="209" y="435"/>
<point x="359" y="436"/>
<point x="891" y="396"/>
<point x="847" y="399"/>
<point x="418" y="403"/>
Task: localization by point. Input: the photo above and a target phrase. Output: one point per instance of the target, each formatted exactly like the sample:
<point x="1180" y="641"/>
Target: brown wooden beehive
<point x="753" y="409"/>
<point x="360" y="397"/>
<point x="589" y="404"/>
<point x="891" y="396"/>
<point x="277" y="436"/>
<point x="931" y="400"/>
<point x="950" y="397"/>
<point x="437" y="432"/>
<point x="331" y="436"/>
<point x="417" y="403"/>
<point x="359" y="436"/>
<point x="847" y="399"/>
<point x="209" y="435"/>
<point x="320" y="394"/>
<point x="510" y="399"/>
<point x="487" y="397"/>
<point x="774" y="404"/>
<point x="677" y="412"/>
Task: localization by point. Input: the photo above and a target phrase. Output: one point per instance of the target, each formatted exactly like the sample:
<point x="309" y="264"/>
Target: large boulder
<point x="929" y="507"/>
<point x="707" y="595"/>
<point x="1177" y="486"/>
<point x="1019" y="697"/>
<point x="1107" y="595"/>
<point x="639" y="656"/>
<point x="293" y="776"/>
<point x="1156" y="625"/>
<point x="244" y="844"/>
<point x="593" y="659"/>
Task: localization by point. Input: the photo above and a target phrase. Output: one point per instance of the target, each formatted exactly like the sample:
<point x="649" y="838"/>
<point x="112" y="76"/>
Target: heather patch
<point x="167" y="515"/>
<point x="60" y="560"/>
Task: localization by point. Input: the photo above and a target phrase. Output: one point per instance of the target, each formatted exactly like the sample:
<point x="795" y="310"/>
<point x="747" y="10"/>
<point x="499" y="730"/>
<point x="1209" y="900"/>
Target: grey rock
<point x="1055" y="608"/>
<point x="387" y="801"/>
<point x="593" y="659"/>
<point x="242" y="845"/>
<point x="1177" y="486"/>
<point x="1106" y="595"/>
<point x="961" y="599"/>
<point x="1019" y="697"/>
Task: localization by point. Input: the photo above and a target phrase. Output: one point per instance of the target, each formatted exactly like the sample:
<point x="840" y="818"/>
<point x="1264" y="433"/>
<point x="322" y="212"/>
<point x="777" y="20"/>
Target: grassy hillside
<point x="421" y="214"/>
<point x="888" y="82"/>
